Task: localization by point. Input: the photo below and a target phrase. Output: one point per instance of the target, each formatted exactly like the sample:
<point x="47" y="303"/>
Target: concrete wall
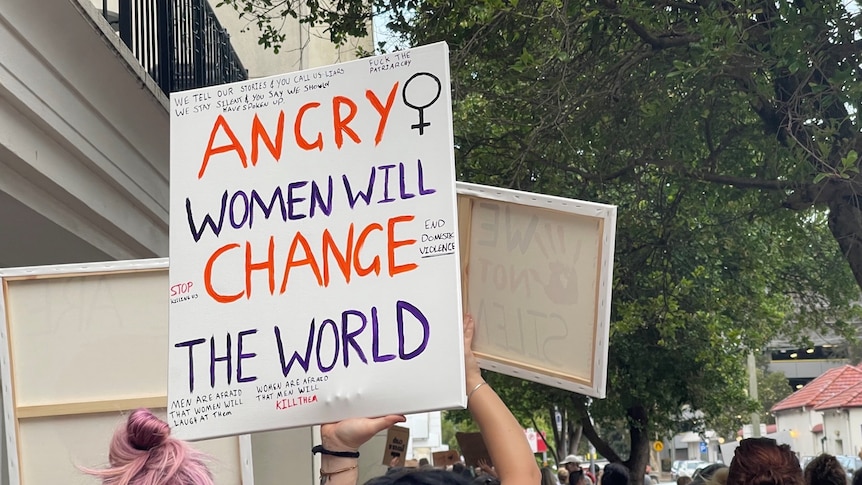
<point x="799" y="424"/>
<point x="843" y="431"/>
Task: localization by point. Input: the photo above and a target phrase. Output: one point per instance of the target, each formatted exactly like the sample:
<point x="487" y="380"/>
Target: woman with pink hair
<point x="143" y="453"/>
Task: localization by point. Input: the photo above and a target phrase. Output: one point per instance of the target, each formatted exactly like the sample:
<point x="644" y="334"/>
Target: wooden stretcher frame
<point x="605" y="215"/>
<point x="14" y="414"/>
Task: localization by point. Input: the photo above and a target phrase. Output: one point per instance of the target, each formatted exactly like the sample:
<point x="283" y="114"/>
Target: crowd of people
<point x="143" y="453"/>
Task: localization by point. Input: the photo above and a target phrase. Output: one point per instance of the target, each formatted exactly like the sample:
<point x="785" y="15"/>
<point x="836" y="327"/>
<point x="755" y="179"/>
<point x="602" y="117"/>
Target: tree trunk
<point x="575" y="433"/>
<point x="639" y="456"/>
<point x="639" y="439"/>
<point x="845" y="222"/>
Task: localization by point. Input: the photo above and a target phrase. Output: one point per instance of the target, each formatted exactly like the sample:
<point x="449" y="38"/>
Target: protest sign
<point x="397" y="439"/>
<point x="314" y="265"/>
<point x="538" y="283"/>
<point x="473" y="448"/>
<point x="442" y="459"/>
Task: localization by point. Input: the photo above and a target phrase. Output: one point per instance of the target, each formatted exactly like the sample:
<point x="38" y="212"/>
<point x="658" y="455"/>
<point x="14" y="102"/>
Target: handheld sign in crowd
<point x="442" y="459"/>
<point x="314" y="266"/>
<point x="473" y="448"/>
<point x="397" y="439"/>
<point x="538" y="283"/>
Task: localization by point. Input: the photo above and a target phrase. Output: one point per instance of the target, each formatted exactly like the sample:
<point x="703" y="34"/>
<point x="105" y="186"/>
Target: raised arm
<point x="510" y="452"/>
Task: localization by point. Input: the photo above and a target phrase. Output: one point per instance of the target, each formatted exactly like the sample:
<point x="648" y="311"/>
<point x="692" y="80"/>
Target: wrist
<point x="337" y="469"/>
<point x="332" y="443"/>
<point x="474" y="381"/>
<point x="330" y="463"/>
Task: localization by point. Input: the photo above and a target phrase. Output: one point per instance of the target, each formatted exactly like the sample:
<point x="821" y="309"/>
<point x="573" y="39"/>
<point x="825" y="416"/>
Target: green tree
<point x="771" y="388"/>
<point x="725" y="131"/>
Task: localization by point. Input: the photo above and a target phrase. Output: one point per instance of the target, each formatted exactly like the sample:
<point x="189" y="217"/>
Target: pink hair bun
<point x="145" y="431"/>
<point x="143" y="453"/>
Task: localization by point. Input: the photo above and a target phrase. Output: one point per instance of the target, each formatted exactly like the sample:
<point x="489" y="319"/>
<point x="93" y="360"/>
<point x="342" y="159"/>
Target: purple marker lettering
<point x="350" y="337"/>
<point x="375" y="339"/>
<point x="214" y="359"/>
<point x="244" y="209"/>
<point x="404" y="193"/>
<point x="190" y="344"/>
<point x="422" y="189"/>
<point x="386" y="198"/>
<point x="323" y="325"/>
<point x="401" y="306"/>
<point x="240" y="355"/>
<point x="285" y="368"/>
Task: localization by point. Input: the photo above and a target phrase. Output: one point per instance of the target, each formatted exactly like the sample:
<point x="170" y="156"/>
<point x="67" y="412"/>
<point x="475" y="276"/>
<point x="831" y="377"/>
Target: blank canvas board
<point x="538" y="276"/>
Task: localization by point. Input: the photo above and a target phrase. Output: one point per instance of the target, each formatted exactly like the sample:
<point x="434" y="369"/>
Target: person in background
<point x="591" y="477"/>
<point x="462" y="470"/>
<point x="825" y="470"/>
<point x="615" y="474"/>
<point x="570" y="463"/>
<point x="504" y="438"/>
<point x="576" y="477"/>
<point x="486" y="468"/>
<point x="762" y="461"/>
<point x="857" y="477"/>
<point x="684" y="480"/>
<point x="143" y="453"/>
<point x="563" y="476"/>
<point x="548" y="476"/>
<point x="715" y="474"/>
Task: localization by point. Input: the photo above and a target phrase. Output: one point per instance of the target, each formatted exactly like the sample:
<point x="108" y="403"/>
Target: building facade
<point x="817" y="416"/>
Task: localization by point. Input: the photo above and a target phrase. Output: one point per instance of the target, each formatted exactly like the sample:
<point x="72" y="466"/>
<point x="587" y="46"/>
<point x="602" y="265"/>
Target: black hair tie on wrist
<point x="343" y="454"/>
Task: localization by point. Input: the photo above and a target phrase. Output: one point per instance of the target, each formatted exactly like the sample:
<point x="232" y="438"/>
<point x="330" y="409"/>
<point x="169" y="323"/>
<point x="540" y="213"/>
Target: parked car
<point x="850" y="464"/>
<point x="687" y="468"/>
<point x="804" y="460"/>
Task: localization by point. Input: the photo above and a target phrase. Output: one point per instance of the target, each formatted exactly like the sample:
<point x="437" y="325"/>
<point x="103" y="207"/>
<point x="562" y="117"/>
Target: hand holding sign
<point x="350" y="434"/>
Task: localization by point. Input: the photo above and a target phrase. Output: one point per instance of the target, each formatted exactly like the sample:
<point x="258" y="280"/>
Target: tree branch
<point x="657" y="42"/>
<point x="590" y="431"/>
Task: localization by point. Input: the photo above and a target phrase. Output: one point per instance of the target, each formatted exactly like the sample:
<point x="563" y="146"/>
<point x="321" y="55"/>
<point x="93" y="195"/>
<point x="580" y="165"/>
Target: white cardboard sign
<point x="314" y="253"/>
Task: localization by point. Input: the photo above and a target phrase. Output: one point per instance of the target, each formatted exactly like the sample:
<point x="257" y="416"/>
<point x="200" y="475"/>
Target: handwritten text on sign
<point x="311" y="212"/>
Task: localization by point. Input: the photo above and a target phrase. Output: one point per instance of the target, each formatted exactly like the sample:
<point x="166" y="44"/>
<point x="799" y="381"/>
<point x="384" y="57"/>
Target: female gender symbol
<point x="421" y="109"/>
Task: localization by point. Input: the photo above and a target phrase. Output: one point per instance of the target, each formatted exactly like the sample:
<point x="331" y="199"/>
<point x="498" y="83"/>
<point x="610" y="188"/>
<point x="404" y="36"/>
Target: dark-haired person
<point x="825" y="470"/>
<point x="576" y="477"/>
<point x="615" y="474"/>
<point x="762" y="461"/>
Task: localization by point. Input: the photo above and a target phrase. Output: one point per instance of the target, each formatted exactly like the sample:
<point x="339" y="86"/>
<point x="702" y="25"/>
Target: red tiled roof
<point x="817" y="429"/>
<point x="824" y="387"/>
<point x="848" y="398"/>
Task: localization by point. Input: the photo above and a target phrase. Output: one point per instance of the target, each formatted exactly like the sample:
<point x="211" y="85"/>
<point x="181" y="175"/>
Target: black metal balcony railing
<point x="179" y="42"/>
